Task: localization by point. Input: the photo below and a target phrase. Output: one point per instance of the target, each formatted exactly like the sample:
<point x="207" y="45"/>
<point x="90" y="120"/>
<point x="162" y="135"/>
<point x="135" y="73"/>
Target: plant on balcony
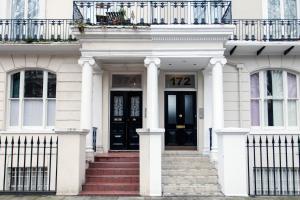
<point x="80" y="25"/>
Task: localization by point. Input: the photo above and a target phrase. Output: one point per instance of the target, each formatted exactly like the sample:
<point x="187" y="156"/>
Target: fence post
<point x="71" y="161"/>
<point x="232" y="161"/>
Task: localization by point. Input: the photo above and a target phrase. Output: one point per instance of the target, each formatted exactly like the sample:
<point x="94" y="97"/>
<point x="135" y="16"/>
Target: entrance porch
<point x="153" y="89"/>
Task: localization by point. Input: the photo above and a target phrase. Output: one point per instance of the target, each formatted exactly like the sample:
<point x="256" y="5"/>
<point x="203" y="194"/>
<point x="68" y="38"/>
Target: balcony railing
<point x="35" y="30"/>
<point x="266" y="29"/>
<point x="151" y="12"/>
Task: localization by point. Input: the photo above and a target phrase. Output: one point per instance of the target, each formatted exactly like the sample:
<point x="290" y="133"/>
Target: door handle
<point x="180" y="115"/>
<point x="180" y="126"/>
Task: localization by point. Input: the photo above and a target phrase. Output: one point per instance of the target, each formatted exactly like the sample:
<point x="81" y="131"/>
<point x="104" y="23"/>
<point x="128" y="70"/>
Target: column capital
<point x="154" y="60"/>
<point x="90" y="60"/>
<point x="216" y="60"/>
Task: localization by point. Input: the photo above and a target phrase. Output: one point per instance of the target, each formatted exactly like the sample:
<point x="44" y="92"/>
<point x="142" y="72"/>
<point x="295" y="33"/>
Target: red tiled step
<point x="110" y="193"/>
<point x="114" y="171"/>
<point x="114" y="165"/>
<point x="110" y="187"/>
<point x="112" y="179"/>
<point x="116" y="159"/>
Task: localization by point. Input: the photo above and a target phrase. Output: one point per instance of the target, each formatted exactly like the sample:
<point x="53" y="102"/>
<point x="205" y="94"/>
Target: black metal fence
<point x="273" y="165"/>
<point x="94" y="139"/>
<point x="28" y="166"/>
<point x="266" y="29"/>
<point x="36" y="30"/>
<point x="151" y="12"/>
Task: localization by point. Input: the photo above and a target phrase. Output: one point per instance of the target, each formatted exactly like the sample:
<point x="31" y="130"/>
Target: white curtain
<point x="274" y="9"/>
<point x="33" y="112"/>
<point x="51" y="112"/>
<point x="277" y="88"/>
<point x="14" y="112"/>
<point x="292" y="103"/>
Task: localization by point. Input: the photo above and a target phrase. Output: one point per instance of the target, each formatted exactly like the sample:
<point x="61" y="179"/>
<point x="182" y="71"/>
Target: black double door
<point x="125" y="118"/>
<point x="180" y="119"/>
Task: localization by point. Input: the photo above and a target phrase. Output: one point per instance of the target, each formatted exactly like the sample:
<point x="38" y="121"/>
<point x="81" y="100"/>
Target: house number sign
<point x="180" y="81"/>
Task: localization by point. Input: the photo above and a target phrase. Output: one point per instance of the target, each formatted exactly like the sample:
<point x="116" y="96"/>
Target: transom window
<point x="282" y="9"/>
<point x="274" y="99"/>
<point x="32" y="99"/>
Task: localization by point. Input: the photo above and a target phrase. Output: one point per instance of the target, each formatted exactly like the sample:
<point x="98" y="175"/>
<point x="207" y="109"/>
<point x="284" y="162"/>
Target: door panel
<point x="126" y="117"/>
<point x="180" y="119"/>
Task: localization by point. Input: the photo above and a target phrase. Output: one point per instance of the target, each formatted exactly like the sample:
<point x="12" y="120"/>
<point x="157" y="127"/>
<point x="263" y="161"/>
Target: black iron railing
<point x="28" y="166"/>
<point x="265" y="29"/>
<point x="95" y="139"/>
<point x="273" y="165"/>
<point x="36" y="30"/>
<point x="151" y="12"/>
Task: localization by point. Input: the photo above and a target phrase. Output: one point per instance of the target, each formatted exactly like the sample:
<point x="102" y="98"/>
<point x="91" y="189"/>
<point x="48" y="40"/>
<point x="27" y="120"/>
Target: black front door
<point x="125" y="118"/>
<point x="180" y="119"/>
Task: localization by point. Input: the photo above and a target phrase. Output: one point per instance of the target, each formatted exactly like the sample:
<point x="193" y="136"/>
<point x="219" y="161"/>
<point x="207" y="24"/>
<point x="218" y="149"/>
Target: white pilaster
<point x="217" y="65"/>
<point x="97" y="108"/>
<point x="208" y="109"/>
<point x="87" y="99"/>
<point x="151" y="137"/>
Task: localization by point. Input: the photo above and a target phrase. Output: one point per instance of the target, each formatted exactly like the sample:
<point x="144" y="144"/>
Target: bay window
<point x="274" y="99"/>
<point x="32" y="99"/>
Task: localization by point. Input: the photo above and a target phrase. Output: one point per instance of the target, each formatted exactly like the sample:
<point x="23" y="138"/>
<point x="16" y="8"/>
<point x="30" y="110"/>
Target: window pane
<point x="172" y="109"/>
<point x="292" y="85"/>
<point x="255" y="85"/>
<point x="14" y="112"/>
<point x="255" y="113"/>
<point x="273" y="84"/>
<point x="135" y="103"/>
<point x="290" y="9"/>
<point x="18" y="9"/>
<point x="34" y="83"/>
<point x="274" y="9"/>
<point x="118" y="106"/>
<point x="292" y="113"/>
<point x="51" y="85"/>
<point x="126" y="81"/>
<point x="15" y="85"/>
<point x="33" y="112"/>
<point x="51" y="112"/>
<point x="273" y="112"/>
<point x="188" y="109"/>
<point x="33" y="9"/>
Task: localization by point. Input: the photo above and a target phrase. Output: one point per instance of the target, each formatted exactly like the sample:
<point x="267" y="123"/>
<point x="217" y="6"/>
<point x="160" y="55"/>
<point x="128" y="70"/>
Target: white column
<point x="217" y="65"/>
<point x="152" y="65"/>
<point x="97" y="109"/>
<point x="87" y="99"/>
<point x="232" y="161"/>
<point x="208" y="109"/>
<point x="151" y="137"/>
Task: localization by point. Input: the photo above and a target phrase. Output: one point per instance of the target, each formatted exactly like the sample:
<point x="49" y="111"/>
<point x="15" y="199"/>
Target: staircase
<point x="186" y="173"/>
<point x="113" y="174"/>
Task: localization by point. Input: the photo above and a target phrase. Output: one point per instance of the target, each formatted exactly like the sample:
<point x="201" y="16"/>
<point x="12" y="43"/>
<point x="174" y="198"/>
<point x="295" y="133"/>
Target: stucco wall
<point x="68" y="84"/>
<point x="247" y="9"/>
<point x="237" y="85"/>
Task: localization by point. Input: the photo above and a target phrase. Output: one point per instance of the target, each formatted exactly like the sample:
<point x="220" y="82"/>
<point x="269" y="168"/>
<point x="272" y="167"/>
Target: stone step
<point x="187" y="159"/>
<point x="189" y="172"/>
<point x="182" y="153"/>
<point x="184" y="165"/>
<point x="189" y="179"/>
<point x="191" y="190"/>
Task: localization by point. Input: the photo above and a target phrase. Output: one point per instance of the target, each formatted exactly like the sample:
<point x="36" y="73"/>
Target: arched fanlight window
<point x="32" y="99"/>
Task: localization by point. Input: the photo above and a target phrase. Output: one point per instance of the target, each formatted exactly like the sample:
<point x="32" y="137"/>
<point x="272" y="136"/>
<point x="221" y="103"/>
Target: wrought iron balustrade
<point x="28" y="165"/>
<point x="266" y="29"/>
<point x="35" y="30"/>
<point x="273" y="165"/>
<point x="151" y="12"/>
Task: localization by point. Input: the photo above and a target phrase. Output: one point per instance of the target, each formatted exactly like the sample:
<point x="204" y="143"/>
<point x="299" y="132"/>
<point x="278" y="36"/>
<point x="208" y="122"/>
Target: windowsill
<point x="275" y="130"/>
<point x="27" y="131"/>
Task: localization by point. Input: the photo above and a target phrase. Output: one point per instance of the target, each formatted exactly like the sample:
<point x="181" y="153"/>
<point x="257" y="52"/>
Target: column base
<point x="89" y="154"/>
<point x="150" y="161"/>
<point x="214" y="155"/>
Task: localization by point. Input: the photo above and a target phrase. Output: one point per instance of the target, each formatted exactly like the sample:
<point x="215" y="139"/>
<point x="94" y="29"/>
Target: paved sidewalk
<point x="4" y="197"/>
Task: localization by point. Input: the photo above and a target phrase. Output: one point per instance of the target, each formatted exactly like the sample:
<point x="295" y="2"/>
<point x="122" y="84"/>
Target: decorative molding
<point x="221" y="60"/>
<point x="89" y="60"/>
<point x="152" y="60"/>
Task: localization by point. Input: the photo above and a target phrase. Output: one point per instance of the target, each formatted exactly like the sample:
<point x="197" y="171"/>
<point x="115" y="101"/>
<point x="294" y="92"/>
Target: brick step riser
<point x="114" y="165"/>
<point x="116" y="159"/>
<point x="112" y="172"/>
<point x="112" y="180"/>
<point x="103" y="187"/>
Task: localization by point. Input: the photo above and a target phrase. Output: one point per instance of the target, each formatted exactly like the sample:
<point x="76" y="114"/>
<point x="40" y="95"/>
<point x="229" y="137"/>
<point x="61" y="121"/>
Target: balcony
<point x="145" y="13"/>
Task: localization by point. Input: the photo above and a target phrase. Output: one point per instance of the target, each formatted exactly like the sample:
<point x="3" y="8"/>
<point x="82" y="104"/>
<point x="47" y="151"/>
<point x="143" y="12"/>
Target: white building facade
<point x="210" y="80"/>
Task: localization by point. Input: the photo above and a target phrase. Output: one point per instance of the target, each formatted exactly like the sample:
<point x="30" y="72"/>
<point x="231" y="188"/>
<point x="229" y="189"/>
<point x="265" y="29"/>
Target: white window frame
<point x="42" y="9"/>
<point x="265" y="6"/>
<point x="262" y="99"/>
<point x="21" y="99"/>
